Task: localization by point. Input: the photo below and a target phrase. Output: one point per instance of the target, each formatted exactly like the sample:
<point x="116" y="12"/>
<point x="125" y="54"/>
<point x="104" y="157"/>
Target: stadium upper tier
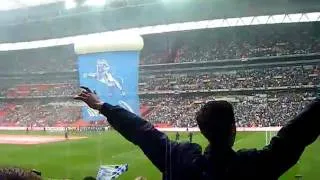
<point x="232" y="43"/>
<point x="240" y="43"/>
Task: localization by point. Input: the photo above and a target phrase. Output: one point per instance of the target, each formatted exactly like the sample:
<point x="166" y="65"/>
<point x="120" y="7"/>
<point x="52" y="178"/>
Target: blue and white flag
<point x="110" y="172"/>
<point x="114" y="76"/>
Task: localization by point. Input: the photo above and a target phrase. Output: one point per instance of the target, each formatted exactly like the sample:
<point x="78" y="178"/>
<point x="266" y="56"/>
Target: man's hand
<point x="90" y="98"/>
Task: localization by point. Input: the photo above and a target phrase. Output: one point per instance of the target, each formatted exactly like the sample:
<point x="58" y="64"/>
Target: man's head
<point x="217" y="123"/>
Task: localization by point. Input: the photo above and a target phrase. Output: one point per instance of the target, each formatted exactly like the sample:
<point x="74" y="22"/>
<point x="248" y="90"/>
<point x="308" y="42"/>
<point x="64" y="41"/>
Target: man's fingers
<point x="82" y="96"/>
<point x="79" y="98"/>
<point x="86" y="88"/>
<point x="85" y="93"/>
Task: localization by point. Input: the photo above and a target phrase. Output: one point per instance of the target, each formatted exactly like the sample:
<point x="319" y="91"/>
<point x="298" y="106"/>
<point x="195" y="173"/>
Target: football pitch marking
<point x="33" y="139"/>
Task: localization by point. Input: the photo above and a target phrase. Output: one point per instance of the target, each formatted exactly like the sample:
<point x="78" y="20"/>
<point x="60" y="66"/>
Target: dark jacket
<point x="184" y="161"/>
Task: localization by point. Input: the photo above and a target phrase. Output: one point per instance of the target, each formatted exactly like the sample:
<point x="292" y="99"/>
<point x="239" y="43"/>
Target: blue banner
<point x="114" y="77"/>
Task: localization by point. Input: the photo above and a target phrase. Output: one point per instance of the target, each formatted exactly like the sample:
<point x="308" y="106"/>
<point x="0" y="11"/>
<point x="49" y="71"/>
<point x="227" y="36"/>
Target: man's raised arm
<point x="287" y="146"/>
<point x="155" y="144"/>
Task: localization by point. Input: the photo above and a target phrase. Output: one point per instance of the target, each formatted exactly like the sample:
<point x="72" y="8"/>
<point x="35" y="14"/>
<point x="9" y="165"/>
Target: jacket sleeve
<point x="155" y="144"/>
<point x="288" y="145"/>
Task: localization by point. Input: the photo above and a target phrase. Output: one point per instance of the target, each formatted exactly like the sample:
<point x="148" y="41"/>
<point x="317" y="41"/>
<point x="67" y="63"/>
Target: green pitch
<point x="79" y="158"/>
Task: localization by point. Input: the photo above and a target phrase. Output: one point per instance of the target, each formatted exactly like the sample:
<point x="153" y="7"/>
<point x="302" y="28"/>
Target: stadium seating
<point x="39" y="115"/>
<point x="249" y="78"/>
<point x="232" y="43"/>
<point x="53" y="59"/>
<point x="34" y="90"/>
<point x="257" y="110"/>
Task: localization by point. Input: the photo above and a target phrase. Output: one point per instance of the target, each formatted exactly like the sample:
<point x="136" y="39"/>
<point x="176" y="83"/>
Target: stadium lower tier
<point x="257" y="110"/>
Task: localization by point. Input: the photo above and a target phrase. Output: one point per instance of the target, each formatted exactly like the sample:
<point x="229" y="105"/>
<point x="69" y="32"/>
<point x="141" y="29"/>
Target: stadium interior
<point x="262" y="56"/>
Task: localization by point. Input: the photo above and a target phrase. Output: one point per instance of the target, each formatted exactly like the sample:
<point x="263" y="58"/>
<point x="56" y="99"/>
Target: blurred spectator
<point x="14" y="173"/>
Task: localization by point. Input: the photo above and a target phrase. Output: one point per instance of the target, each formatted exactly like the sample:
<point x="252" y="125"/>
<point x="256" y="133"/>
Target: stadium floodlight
<point x="96" y="3"/>
<point x="69" y="4"/>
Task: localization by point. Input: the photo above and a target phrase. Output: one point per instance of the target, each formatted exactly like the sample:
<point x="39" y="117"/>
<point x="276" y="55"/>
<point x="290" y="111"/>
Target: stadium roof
<point x="175" y="27"/>
<point x="16" y="4"/>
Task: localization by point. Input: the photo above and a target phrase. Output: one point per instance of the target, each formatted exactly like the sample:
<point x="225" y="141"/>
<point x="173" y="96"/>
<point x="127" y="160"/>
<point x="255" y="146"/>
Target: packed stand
<point x="58" y="90"/>
<point x="233" y="43"/>
<point x="260" y="110"/>
<point x="52" y="59"/>
<point x="274" y="110"/>
<point x="39" y="115"/>
<point x="41" y="90"/>
<point x="249" y="78"/>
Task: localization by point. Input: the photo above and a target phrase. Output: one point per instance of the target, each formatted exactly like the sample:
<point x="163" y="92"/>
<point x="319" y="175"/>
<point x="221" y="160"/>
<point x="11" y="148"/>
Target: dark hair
<point x="15" y="173"/>
<point x="216" y="120"/>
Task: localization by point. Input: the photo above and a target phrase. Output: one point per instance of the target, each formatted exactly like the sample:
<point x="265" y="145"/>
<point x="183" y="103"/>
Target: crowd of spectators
<point x="38" y="114"/>
<point x="259" y="110"/>
<point x="246" y="78"/>
<point x="234" y="43"/>
<point x="178" y="47"/>
<point x="53" y="59"/>
<point x="176" y="110"/>
<point x="40" y="90"/>
<point x="191" y="46"/>
<point x="59" y="90"/>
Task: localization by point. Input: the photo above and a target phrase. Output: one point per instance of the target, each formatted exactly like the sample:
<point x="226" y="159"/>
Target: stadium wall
<point x="60" y="129"/>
